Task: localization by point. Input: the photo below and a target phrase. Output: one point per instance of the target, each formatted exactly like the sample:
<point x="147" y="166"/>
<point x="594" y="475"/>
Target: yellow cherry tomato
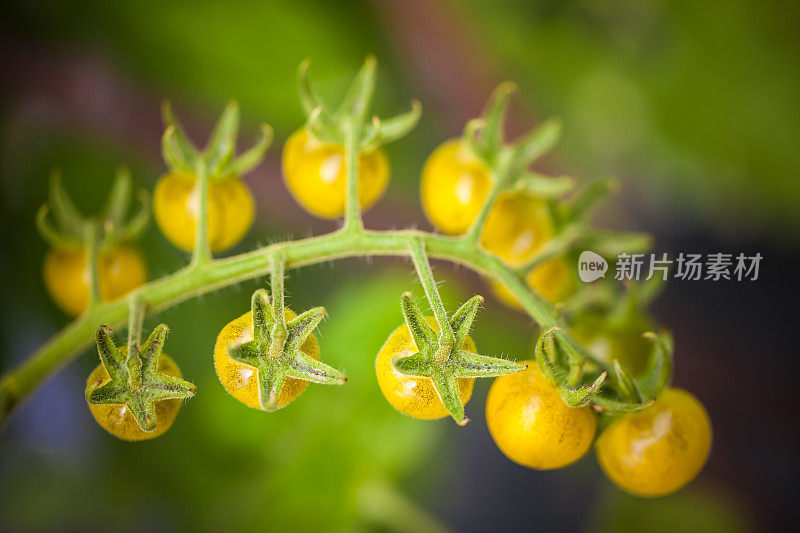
<point x="315" y="173"/>
<point x="118" y="420"/>
<point x="240" y="379"/>
<point x="176" y="208"/>
<point x="66" y="275"/>
<point x="553" y="279"/>
<point x="454" y="186"/>
<point x="517" y="226"/>
<point x="414" y="396"/>
<point x="659" y="450"/>
<point x="531" y="423"/>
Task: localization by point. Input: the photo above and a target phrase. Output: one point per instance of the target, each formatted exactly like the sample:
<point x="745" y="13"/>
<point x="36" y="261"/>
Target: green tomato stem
<point x="276" y="285"/>
<point x="91" y="236"/>
<point x="423" y="268"/>
<point x="352" y="142"/>
<point x="135" y="321"/>
<point x="202" y="250"/>
<point x="215" y="274"/>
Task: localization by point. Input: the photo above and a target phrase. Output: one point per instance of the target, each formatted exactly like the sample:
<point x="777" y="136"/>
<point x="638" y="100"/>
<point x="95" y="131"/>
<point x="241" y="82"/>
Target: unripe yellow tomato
<point x="531" y="423"/>
<point x="240" y="379"/>
<point x="316" y="175"/>
<point x="411" y="395"/>
<point x="118" y="420"/>
<point x="553" y="279"/>
<point x="659" y="450"/>
<point x="176" y="206"/>
<point x="453" y="188"/>
<point x="66" y="275"/>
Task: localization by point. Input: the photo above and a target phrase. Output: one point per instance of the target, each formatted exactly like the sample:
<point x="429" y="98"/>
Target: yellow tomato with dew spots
<point x="316" y="175"/>
<point x="531" y="423"/>
<point x="118" y="419"/>
<point x="411" y="395"/>
<point x="240" y="379"/>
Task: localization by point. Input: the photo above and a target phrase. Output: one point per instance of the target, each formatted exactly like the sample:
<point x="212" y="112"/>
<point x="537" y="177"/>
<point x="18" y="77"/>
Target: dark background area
<point x="692" y="105"/>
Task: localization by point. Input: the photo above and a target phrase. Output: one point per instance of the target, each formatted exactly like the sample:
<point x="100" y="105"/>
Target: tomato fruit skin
<point x="531" y="423"/>
<point x="176" y="209"/>
<point x="118" y="420"/>
<point x="453" y="187"/>
<point x="411" y="395"/>
<point x="240" y="379"/>
<point x="316" y="175"/>
<point x="659" y="450"/>
<point x="66" y="275"/>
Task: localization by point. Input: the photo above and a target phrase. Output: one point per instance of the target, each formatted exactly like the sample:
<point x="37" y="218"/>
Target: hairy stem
<point x="160" y="294"/>
<point x="501" y="177"/>
<point x="135" y="320"/>
<point x="352" y="142"/>
<point x="425" y="274"/>
<point x="276" y="286"/>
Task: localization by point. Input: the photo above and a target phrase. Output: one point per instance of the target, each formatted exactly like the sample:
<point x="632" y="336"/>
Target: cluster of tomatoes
<point x="651" y="452"/>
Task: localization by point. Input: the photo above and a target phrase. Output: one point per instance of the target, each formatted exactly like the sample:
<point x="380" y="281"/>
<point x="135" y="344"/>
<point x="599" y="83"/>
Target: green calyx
<point x="509" y="162"/>
<point x="101" y="231"/>
<point x="563" y="366"/>
<point x="276" y="349"/>
<point x="135" y="380"/>
<point x="331" y="126"/>
<point x="442" y="359"/>
<point x="218" y="160"/>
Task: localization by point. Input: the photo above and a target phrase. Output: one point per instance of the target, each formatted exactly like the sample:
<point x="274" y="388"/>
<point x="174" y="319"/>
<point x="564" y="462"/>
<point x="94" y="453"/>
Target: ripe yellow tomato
<point x="66" y="275"/>
<point x="315" y="173"/>
<point x="531" y="423"/>
<point x="118" y="420"/>
<point x="553" y="279"/>
<point x="454" y="186"/>
<point x="240" y="379"/>
<point x="176" y="207"/>
<point x="414" y="396"/>
<point x="659" y="450"/>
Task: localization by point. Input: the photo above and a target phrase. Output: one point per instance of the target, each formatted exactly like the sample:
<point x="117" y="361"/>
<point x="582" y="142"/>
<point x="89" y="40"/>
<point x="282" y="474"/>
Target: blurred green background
<point x="693" y="105"/>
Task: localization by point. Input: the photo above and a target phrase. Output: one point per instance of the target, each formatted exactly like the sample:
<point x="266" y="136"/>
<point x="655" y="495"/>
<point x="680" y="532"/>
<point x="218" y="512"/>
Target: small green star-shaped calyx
<point x="441" y="357"/>
<point x="135" y="380"/>
<point x="276" y="352"/>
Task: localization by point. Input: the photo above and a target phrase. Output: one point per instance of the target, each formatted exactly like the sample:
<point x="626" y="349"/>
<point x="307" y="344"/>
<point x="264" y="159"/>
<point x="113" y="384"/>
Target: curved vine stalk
<point x="202" y="278"/>
<point x="205" y="274"/>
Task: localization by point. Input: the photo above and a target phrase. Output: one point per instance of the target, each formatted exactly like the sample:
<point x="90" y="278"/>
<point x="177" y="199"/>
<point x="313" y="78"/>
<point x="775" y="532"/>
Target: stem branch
<point x="202" y="250"/>
<point x="91" y="235"/>
<point x="423" y="267"/>
<point x="18" y="382"/>
<point x="135" y="321"/>
<point x="352" y="141"/>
